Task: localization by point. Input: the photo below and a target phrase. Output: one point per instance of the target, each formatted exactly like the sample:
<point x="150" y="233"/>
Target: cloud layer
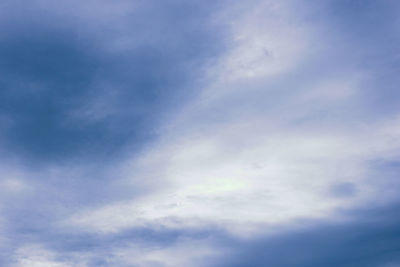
<point x="212" y="133"/>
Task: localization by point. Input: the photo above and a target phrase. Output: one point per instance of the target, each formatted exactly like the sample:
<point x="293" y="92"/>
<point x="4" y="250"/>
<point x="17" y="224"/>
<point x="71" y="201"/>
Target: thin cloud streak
<point x="199" y="134"/>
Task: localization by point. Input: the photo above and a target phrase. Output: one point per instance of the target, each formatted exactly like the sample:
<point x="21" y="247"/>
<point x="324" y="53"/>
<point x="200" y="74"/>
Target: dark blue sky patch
<point x="373" y="239"/>
<point x="43" y="77"/>
<point x="49" y="72"/>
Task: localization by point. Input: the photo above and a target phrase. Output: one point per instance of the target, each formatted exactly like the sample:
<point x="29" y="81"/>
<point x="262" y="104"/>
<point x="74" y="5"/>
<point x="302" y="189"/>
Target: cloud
<point x="255" y="150"/>
<point x="198" y="134"/>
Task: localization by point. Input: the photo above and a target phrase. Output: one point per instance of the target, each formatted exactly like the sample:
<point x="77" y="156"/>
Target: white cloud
<point x="184" y="252"/>
<point x="272" y="177"/>
<point x="36" y="256"/>
<point x="269" y="163"/>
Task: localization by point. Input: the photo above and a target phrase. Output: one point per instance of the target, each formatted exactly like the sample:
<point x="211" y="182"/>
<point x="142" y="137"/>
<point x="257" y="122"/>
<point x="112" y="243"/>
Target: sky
<point x="181" y="133"/>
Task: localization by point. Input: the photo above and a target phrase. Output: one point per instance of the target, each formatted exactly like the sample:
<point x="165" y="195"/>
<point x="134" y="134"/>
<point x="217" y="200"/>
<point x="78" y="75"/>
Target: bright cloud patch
<point x="209" y="133"/>
<point x="258" y="163"/>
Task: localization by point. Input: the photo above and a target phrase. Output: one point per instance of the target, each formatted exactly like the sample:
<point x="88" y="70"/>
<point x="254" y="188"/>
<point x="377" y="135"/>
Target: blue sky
<point x="199" y="133"/>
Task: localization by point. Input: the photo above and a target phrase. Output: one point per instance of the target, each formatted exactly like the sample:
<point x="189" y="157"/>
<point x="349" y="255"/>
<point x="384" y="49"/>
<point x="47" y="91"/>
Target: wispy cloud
<point x="199" y="134"/>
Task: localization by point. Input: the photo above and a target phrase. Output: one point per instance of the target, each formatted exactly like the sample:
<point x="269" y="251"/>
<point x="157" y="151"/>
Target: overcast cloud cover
<point x="199" y="133"/>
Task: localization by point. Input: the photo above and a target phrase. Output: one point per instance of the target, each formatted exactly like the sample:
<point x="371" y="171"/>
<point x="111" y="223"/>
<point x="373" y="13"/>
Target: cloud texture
<point x="199" y="133"/>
